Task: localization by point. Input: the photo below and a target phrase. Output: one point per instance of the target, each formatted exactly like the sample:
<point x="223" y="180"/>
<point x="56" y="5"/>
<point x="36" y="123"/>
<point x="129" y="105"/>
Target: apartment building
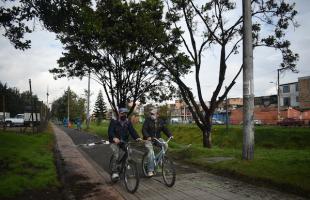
<point x="289" y="94"/>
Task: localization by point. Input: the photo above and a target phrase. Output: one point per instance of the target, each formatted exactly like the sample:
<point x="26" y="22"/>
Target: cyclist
<point x="119" y="130"/>
<point x="152" y="127"/>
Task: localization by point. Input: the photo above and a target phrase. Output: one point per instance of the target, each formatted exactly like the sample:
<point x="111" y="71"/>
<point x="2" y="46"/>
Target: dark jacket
<point x="121" y="130"/>
<point x="152" y="128"/>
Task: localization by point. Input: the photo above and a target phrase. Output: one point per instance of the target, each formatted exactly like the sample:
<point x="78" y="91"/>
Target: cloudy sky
<point x="17" y="67"/>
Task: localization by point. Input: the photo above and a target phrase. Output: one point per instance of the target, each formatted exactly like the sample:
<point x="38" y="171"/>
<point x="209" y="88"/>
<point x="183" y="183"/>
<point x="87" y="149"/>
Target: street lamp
<point x="278" y="97"/>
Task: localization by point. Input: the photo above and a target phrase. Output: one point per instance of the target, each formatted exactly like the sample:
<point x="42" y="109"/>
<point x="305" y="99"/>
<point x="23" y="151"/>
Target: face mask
<point x="153" y="117"/>
<point x="123" y="118"/>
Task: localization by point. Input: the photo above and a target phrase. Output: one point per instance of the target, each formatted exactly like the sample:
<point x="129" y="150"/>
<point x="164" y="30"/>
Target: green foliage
<point x="100" y="110"/>
<point x="26" y="163"/>
<point x="17" y="102"/>
<point x="76" y="106"/>
<point x="281" y="154"/>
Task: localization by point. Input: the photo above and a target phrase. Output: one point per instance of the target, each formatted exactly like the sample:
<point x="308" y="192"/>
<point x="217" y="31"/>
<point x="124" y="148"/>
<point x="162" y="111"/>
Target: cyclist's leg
<point x="115" y="152"/>
<point x="150" y="156"/>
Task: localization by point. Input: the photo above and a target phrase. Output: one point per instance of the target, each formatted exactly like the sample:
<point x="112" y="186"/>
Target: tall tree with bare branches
<point x="191" y="29"/>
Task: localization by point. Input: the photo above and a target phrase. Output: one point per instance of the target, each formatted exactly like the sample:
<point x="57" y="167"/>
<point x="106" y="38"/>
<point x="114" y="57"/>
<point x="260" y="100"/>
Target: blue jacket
<point x="121" y="130"/>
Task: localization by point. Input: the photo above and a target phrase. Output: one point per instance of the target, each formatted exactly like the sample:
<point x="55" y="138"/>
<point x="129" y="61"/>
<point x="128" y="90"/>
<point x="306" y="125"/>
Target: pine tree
<point x="100" y="108"/>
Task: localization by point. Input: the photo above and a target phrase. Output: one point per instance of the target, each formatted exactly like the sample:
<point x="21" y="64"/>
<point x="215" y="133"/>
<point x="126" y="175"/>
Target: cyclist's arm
<point x="145" y="129"/>
<point x="132" y="131"/>
<point x="165" y="130"/>
<point x="111" y="130"/>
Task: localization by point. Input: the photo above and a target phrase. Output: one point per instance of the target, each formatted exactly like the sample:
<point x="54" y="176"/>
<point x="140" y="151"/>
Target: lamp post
<point x="278" y="98"/>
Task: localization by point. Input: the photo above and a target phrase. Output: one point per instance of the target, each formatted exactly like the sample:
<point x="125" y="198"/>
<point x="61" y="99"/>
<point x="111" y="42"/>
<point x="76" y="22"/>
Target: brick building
<point x="304" y="92"/>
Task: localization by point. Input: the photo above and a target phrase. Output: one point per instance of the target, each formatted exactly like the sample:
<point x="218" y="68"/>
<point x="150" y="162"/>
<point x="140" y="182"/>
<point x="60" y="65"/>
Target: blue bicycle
<point x="162" y="163"/>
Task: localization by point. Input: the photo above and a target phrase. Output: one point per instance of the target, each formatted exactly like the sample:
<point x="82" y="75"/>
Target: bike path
<point x="190" y="183"/>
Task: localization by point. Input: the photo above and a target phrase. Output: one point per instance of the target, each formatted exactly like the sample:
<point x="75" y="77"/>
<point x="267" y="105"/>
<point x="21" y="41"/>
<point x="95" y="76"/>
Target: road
<point x="190" y="183"/>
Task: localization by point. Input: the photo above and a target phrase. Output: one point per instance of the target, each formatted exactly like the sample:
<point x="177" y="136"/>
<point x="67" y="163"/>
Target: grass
<point x="26" y="163"/>
<point x="282" y="154"/>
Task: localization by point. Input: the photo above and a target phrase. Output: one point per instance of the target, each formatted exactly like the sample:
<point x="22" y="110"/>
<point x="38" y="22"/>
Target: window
<point x="286" y="101"/>
<point x="286" y="88"/>
<point x="296" y="85"/>
<point x="297" y="98"/>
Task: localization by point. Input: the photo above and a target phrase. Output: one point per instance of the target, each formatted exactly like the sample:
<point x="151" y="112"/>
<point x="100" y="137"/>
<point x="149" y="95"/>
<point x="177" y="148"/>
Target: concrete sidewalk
<point x="76" y="165"/>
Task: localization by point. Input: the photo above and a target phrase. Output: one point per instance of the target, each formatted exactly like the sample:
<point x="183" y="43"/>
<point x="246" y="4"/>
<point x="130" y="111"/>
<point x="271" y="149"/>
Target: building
<point x="304" y="92"/>
<point x="289" y="94"/>
<point x="266" y="101"/>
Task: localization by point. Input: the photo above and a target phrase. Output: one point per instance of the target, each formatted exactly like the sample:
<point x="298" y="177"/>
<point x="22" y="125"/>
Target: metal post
<point x="278" y="91"/>
<point x="226" y="112"/>
<point x="3" y="104"/>
<point x="31" y="102"/>
<point x="88" y="103"/>
<point x="248" y="85"/>
<point x="68" y="107"/>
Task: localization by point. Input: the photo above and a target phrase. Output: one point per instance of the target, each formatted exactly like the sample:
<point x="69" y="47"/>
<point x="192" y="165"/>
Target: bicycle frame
<point x="159" y="156"/>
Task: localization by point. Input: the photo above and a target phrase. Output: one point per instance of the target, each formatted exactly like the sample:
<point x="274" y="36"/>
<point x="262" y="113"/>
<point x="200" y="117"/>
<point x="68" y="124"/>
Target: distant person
<point x="65" y="122"/>
<point x="78" y="123"/>
<point x="119" y="130"/>
<point x="152" y="127"/>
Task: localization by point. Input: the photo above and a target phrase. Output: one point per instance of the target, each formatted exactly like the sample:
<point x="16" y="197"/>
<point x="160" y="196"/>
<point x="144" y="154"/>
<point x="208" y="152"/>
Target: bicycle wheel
<point x="131" y="177"/>
<point x="144" y="166"/>
<point x="168" y="172"/>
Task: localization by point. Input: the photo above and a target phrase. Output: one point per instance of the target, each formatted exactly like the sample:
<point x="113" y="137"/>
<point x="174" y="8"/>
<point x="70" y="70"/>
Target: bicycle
<point x="161" y="160"/>
<point x="127" y="168"/>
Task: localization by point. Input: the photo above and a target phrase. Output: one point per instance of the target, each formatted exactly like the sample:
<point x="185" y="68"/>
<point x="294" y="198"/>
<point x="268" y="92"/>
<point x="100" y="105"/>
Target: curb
<point x="77" y="164"/>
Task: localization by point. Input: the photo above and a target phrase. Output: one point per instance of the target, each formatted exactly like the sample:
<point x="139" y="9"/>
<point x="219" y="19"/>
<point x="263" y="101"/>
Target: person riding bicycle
<point x="119" y="130"/>
<point x="152" y="128"/>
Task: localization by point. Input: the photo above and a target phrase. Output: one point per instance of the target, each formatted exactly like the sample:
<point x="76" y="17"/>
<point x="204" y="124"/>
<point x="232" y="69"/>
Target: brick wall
<point x="304" y="92"/>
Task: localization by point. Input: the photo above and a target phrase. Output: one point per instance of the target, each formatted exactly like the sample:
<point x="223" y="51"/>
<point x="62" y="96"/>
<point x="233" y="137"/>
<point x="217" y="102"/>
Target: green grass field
<point x="26" y="163"/>
<point x="282" y="154"/>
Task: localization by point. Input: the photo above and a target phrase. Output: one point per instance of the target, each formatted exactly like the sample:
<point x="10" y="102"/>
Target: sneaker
<point x="115" y="176"/>
<point x="150" y="174"/>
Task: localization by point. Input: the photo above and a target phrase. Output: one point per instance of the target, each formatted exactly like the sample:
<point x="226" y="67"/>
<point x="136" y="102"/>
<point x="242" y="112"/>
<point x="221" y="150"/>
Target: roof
<point x="304" y="77"/>
<point x="288" y="83"/>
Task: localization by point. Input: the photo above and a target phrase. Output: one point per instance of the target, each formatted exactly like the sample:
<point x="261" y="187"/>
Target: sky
<point x="17" y="67"/>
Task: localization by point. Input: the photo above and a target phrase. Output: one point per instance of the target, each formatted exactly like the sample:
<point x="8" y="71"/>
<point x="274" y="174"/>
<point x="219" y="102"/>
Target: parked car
<point x="217" y="122"/>
<point x="257" y="122"/>
<point x="23" y="120"/>
<point x="290" y="122"/>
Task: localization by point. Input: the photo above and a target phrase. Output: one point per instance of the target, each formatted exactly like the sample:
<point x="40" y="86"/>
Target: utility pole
<point x="3" y="104"/>
<point x="31" y="106"/>
<point x="248" y="85"/>
<point x="68" y="106"/>
<point x="278" y="90"/>
<point x="226" y="104"/>
<point x="88" y="99"/>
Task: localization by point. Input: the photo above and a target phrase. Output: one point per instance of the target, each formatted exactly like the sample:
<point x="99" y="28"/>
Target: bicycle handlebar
<point x="163" y="142"/>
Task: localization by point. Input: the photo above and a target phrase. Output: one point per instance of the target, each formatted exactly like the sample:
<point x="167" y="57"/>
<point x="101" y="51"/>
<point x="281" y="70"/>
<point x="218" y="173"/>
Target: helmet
<point x="123" y="110"/>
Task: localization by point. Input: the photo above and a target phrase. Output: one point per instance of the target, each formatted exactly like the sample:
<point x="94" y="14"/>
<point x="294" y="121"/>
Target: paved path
<point x="190" y="184"/>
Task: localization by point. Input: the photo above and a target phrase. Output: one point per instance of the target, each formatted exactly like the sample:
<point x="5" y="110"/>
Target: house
<point x="296" y="94"/>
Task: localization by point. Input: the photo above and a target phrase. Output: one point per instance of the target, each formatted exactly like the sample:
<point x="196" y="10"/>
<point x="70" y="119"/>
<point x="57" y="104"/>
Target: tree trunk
<point x="206" y="137"/>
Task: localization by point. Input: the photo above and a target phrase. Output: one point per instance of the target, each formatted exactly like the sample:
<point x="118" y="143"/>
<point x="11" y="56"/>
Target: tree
<point x="94" y="40"/>
<point x="17" y="102"/>
<point x="100" y="110"/>
<point x="76" y="106"/>
<point x="208" y="27"/>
